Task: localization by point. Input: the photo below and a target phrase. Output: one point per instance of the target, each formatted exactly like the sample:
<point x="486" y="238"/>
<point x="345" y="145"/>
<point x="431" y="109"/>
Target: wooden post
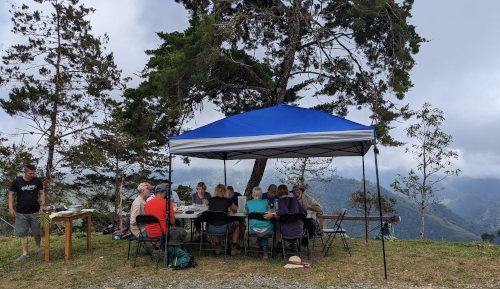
<point x="47" y="241"/>
<point x="68" y="233"/>
<point x="88" y="232"/>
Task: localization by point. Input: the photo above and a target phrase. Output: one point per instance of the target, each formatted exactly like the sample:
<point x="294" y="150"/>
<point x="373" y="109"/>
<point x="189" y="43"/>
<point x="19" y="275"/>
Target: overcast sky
<point x="458" y="70"/>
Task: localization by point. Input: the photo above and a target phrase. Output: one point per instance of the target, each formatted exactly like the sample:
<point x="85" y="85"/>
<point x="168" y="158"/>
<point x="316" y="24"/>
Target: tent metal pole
<point x="364" y="194"/>
<point x="169" y="196"/>
<point x="225" y="178"/>
<point x="375" y="152"/>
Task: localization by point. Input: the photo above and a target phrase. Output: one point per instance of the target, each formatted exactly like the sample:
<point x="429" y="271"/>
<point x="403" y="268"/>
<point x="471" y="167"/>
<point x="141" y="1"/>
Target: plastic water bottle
<point x="276" y="205"/>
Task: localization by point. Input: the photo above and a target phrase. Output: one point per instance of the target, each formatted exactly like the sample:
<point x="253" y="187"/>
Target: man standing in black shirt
<point x="27" y="188"/>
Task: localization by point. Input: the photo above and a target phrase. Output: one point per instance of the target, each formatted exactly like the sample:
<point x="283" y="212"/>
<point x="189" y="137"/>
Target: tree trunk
<point x="293" y="15"/>
<point x="53" y="117"/>
<point x="258" y="171"/>
<point x="422" y="217"/>
<point x="120" y="212"/>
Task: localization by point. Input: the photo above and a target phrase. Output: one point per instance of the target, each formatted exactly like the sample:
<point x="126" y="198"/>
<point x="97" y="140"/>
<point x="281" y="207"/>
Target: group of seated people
<point x="274" y="203"/>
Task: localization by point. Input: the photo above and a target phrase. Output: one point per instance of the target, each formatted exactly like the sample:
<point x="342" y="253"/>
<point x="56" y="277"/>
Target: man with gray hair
<point x="28" y="189"/>
<point x="137" y="207"/>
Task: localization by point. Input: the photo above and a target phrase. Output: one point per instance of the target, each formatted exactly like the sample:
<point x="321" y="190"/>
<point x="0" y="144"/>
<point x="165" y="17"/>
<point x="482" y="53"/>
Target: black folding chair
<point x="250" y="233"/>
<point x="144" y="240"/>
<point x="334" y="231"/>
<point x="214" y="218"/>
<point x="292" y="218"/>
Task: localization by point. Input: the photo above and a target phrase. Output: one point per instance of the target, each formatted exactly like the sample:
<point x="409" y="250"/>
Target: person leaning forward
<point x="312" y="207"/>
<point x="28" y="189"/>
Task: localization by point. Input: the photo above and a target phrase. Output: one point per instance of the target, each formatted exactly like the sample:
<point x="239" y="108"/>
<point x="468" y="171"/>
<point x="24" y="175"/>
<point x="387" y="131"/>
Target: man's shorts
<point x="25" y="222"/>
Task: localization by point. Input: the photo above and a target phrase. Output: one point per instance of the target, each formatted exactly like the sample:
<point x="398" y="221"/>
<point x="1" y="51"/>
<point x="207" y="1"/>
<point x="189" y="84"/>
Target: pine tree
<point x="57" y="75"/>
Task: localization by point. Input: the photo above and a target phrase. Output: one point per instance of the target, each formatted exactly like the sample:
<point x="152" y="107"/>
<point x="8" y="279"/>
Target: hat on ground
<point x="273" y="188"/>
<point x="161" y="188"/>
<point x="294" y="260"/>
<point x="143" y="186"/>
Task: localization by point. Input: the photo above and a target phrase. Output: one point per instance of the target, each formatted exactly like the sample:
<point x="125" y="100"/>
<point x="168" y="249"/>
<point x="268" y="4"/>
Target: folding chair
<point x="332" y="233"/>
<point x="291" y="218"/>
<point x="248" y="249"/>
<point x="142" y="220"/>
<point x="214" y="218"/>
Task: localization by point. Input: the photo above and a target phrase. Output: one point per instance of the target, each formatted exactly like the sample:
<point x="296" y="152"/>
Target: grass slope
<point x="409" y="263"/>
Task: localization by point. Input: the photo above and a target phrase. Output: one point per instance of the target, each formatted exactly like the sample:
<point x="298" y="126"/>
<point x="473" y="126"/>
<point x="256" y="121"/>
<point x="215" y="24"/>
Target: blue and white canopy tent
<point x="280" y="131"/>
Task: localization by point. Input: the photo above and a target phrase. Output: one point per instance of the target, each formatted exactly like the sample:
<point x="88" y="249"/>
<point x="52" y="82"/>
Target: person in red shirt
<point x="158" y="207"/>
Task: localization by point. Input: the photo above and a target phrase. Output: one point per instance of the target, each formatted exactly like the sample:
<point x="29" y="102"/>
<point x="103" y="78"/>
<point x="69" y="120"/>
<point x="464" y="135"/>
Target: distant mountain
<point x="440" y="222"/>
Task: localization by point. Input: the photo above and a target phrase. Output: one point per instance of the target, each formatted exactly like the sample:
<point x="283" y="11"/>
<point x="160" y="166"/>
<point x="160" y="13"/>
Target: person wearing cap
<point x="158" y="208"/>
<point x="174" y="197"/>
<point x="311" y="206"/>
<point x="137" y="207"/>
<point x="271" y="196"/>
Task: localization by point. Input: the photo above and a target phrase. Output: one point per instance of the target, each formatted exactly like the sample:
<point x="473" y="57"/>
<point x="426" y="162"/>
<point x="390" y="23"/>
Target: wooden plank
<point x="322" y="219"/>
<point x="88" y="232"/>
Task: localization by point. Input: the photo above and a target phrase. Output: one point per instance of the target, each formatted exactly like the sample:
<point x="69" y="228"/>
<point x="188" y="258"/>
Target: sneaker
<point x="22" y="257"/>
<point x="40" y="252"/>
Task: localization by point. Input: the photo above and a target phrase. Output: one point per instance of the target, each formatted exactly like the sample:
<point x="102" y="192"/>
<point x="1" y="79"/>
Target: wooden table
<point x="68" y="220"/>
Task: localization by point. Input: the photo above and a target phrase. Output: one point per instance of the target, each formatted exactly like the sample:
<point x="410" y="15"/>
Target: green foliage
<point x="487" y="237"/>
<point x="357" y="201"/>
<point x="184" y="192"/>
<point x="434" y="159"/>
<point x="59" y="74"/>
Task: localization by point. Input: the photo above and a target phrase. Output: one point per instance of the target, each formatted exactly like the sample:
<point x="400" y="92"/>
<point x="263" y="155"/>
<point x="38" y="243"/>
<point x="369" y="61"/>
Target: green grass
<point x="450" y="264"/>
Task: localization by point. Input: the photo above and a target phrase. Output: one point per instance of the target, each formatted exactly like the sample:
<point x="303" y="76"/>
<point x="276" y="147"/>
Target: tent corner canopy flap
<point x="280" y="131"/>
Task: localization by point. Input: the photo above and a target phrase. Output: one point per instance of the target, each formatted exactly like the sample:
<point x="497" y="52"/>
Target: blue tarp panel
<point x="280" y="131"/>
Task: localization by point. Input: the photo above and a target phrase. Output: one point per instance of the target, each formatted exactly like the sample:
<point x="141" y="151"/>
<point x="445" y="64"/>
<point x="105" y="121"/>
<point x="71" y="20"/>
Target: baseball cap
<point x="161" y="188"/>
<point x="273" y="188"/>
<point x="144" y="185"/>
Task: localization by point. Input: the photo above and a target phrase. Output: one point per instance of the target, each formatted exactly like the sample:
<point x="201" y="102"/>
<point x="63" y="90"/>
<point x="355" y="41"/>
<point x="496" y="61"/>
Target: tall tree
<point x="243" y="55"/>
<point x="430" y="149"/>
<point x="58" y="74"/>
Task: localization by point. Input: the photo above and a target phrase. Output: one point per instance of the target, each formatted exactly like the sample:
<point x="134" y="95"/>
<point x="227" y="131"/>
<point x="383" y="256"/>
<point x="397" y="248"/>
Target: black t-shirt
<point x="219" y="204"/>
<point x="27" y="194"/>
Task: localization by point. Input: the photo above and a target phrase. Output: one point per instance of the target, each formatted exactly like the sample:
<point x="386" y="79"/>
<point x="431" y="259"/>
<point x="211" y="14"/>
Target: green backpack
<point x="180" y="259"/>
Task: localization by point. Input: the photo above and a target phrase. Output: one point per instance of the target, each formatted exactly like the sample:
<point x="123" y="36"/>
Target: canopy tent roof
<point x="280" y="131"/>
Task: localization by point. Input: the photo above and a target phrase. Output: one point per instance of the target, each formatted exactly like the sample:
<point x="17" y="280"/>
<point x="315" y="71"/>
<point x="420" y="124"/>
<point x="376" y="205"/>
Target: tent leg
<point x="169" y="196"/>
<point x="225" y="178"/>
<point x="375" y="152"/>
<point x="364" y="191"/>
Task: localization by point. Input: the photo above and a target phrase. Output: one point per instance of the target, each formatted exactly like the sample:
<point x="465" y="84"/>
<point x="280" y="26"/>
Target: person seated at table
<point x="290" y="205"/>
<point x="174" y="197"/>
<point x="201" y="194"/>
<point x="233" y="195"/>
<point x="221" y="203"/>
<point x="311" y="206"/>
<point x="271" y="195"/>
<point x="137" y="207"/>
<point x="158" y="208"/>
<point x="257" y="227"/>
<point x="199" y="198"/>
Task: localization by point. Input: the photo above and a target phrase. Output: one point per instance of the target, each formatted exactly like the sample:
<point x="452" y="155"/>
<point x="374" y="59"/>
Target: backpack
<point x="180" y="259"/>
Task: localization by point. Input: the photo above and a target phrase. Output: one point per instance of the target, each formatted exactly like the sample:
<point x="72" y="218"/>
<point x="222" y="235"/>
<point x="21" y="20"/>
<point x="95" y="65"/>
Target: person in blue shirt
<point x="233" y="195"/>
<point x="271" y="195"/>
<point x="260" y="228"/>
